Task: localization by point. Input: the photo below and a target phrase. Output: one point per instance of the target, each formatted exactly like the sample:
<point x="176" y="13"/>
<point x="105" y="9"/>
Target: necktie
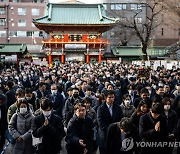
<point x="110" y="110"/>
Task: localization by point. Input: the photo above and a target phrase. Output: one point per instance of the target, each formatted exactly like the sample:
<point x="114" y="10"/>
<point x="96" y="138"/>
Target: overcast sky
<point x="84" y="1"/>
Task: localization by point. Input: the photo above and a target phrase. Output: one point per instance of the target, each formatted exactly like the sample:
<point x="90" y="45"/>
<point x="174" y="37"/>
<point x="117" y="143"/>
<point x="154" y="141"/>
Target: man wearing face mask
<point x="30" y="97"/>
<point x="57" y="100"/>
<point x="153" y="128"/>
<point x="68" y="110"/>
<point x="3" y="121"/>
<point x="127" y="107"/>
<point x="49" y="127"/>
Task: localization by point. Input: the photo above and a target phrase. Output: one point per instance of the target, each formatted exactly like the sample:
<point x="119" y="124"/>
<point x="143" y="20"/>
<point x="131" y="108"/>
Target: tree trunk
<point x="144" y="51"/>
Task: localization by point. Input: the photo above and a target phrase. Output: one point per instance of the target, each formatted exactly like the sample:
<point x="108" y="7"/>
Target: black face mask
<point x="75" y="95"/>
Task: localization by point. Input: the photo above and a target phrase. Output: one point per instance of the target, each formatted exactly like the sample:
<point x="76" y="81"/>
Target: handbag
<point x="9" y="137"/>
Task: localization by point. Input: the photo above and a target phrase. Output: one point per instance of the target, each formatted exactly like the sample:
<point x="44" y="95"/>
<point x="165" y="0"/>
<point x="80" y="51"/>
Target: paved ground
<point x="9" y="149"/>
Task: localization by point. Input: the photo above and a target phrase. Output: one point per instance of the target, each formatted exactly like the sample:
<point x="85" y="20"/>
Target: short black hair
<point x="87" y="100"/>
<point x="165" y="100"/>
<point x="158" y="87"/>
<point x="78" y="105"/>
<point x="88" y="88"/>
<point x="45" y="103"/>
<point x="28" y="90"/>
<point x="10" y="84"/>
<point x="125" y="124"/>
<point x="144" y="90"/>
<point x="109" y="92"/>
<point x="156" y="108"/>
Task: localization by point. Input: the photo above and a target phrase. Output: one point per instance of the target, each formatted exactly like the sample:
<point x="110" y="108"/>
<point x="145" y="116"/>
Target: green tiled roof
<point x="136" y="51"/>
<point x="78" y="14"/>
<point x="13" y="48"/>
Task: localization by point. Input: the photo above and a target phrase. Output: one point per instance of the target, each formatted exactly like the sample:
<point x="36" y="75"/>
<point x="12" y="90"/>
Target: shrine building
<point x="74" y="31"/>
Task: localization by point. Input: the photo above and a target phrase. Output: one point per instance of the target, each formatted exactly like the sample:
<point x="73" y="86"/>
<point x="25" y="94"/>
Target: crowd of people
<point x="95" y="106"/>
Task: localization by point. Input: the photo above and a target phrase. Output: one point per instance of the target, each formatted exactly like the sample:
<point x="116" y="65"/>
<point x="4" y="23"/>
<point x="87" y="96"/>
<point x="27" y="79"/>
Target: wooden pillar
<point x="62" y="56"/>
<point x="99" y="56"/>
<point x="87" y="56"/>
<point x="50" y="60"/>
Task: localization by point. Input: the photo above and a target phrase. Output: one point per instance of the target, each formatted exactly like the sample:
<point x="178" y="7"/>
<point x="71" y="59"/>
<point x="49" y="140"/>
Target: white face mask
<point x="160" y="84"/>
<point x="54" y="92"/>
<point x="28" y="98"/>
<point x="167" y="107"/>
<point x="46" y="113"/>
<point x="127" y="102"/>
<point x="23" y="110"/>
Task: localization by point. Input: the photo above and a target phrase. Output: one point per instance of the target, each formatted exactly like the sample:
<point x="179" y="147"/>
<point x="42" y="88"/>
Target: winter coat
<point x="51" y="134"/>
<point x="127" y="110"/>
<point x="79" y="129"/>
<point x="20" y="126"/>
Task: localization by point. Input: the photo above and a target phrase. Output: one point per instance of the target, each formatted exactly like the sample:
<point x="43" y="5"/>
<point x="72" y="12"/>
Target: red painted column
<point x="62" y="56"/>
<point x="63" y="59"/>
<point x="50" y="60"/>
<point x="99" y="56"/>
<point x="87" y="56"/>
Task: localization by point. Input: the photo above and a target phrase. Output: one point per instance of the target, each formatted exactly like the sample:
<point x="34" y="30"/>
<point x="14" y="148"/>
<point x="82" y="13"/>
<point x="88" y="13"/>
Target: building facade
<point x="75" y="31"/>
<point x="167" y="33"/>
<point x="16" y="23"/>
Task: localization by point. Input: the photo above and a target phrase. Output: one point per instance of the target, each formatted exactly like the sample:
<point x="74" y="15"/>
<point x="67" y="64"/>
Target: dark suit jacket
<point x="114" y="140"/>
<point x="79" y="129"/>
<point x="52" y="133"/>
<point x="138" y="100"/>
<point x="148" y="133"/>
<point x="39" y="94"/>
<point x="58" y="103"/>
<point x="10" y="97"/>
<point x="104" y="119"/>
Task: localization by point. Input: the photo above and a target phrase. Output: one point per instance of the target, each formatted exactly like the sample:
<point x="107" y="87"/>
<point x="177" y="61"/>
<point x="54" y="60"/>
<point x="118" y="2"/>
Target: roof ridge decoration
<point x="50" y="11"/>
<point x="100" y="13"/>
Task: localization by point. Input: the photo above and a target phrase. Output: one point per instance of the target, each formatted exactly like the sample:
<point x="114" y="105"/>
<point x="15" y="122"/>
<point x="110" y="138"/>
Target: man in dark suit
<point x="41" y="92"/>
<point x="153" y="128"/>
<point x="57" y="100"/>
<point x="109" y="112"/>
<point x="49" y="127"/>
<point x="120" y="132"/>
<point x="80" y="132"/>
